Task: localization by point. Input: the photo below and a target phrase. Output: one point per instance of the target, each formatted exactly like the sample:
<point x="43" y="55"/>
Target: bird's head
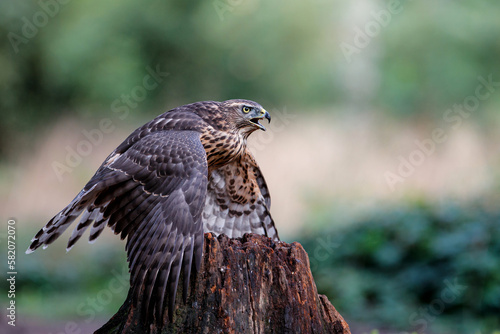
<point x="246" y="115"/>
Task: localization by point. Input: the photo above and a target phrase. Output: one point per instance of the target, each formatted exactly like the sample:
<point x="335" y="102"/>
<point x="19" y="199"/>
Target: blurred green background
<point x="382" y="158"/>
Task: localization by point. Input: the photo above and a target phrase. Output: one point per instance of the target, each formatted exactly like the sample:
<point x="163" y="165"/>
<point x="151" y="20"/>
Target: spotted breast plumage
<point x="186" y="172"/>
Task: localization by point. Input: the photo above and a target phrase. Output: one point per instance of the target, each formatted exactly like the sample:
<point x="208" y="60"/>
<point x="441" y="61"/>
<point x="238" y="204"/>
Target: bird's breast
<point x="221" y="147"/>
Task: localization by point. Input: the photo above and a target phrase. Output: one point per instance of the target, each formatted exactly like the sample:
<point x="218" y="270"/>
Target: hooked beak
<point x="263" y="114"/>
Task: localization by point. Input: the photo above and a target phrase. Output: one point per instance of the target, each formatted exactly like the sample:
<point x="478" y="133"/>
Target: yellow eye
<point x="246" y="109"/>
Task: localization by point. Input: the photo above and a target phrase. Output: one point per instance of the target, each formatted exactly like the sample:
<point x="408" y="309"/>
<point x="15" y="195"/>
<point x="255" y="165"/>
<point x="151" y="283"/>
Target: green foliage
<point x="415" y="268"/>
<point x="88" y="53"/>
<point x="433" y="54"/>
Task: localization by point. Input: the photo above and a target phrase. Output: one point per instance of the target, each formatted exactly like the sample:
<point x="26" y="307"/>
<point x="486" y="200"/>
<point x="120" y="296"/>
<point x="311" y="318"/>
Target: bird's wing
<point x="153" y="193"/>
<point x="238" y="200"/>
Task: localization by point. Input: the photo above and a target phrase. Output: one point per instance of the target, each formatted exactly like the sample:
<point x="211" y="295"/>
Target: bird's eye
<point x="246" y="109"/>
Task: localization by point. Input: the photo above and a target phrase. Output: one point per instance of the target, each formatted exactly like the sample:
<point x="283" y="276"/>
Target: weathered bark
<point x="245" y="285"/>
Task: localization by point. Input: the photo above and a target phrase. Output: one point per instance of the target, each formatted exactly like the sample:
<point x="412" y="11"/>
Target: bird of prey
<point x="186" y="172"/>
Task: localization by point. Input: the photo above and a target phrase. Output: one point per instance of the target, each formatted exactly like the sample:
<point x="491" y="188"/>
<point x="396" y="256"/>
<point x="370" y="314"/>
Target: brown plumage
<point x="186" y="172"/>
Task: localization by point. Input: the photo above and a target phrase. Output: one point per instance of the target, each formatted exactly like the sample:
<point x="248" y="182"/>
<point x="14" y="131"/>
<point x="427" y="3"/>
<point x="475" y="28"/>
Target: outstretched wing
<point x="238" y="200"/>
<point x="153" y="194"/>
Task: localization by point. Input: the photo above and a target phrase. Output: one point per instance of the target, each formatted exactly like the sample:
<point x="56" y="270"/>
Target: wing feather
<point x="179" y="190"/>
<point x="152" y="191"/>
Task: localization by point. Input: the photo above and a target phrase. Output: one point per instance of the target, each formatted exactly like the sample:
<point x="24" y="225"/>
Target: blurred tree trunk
<point x="246" y="285"/>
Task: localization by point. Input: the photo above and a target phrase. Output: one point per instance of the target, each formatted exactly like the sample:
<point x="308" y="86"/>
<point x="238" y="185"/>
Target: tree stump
<point x="245" y="285"/>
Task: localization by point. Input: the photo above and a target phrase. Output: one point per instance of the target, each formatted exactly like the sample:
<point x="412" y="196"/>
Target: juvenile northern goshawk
<point x="186" y="172"/>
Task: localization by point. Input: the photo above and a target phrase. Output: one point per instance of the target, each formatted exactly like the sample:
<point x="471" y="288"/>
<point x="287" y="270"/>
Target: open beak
<point x="263" y="114"/>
